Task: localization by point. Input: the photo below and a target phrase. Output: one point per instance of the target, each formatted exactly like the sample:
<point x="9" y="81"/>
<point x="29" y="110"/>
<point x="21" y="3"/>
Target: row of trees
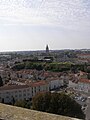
<point x="55" y="67"/>
<point x="28" y="65"/>
<point x="41" y="65"/>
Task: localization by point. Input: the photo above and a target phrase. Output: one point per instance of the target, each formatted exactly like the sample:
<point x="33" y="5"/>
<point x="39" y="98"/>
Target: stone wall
<point x="8" y="112"/>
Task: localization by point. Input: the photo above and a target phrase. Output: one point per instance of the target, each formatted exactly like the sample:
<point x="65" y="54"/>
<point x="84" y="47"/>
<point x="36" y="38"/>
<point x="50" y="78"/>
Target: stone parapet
<point x="8" y="112"/>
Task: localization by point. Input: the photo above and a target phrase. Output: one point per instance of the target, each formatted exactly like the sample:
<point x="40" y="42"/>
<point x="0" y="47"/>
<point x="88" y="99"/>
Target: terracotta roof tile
<point x="40" y="83"/>
<point x="13" y="87"/>
<point x="84" y="81"/>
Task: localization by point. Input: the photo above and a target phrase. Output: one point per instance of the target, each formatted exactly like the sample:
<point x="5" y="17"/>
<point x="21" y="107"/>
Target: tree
<point x="39" y="67"/>
<point x="1" y="82"/>
<point x="23" y="103"/>
<point x="41" y="102"/>
<point x="18" y="66"/>
<point x="58" y="104"/>
<point x="88" y="69"/>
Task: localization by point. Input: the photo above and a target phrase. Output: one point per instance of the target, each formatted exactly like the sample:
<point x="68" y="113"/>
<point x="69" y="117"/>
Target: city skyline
<point x="31" y="25"/>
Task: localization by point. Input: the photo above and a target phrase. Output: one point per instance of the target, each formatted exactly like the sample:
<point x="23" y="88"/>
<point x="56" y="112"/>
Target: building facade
<point x="11" y="93"/>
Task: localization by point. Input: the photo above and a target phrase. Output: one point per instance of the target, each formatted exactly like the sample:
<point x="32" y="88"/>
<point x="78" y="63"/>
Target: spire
<point x="47" y="49"/>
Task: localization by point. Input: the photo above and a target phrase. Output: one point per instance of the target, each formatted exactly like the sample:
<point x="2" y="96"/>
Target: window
<point x="28" y="90"/>
<point x="35" y="89"/>
<point x="15" y="95"/>
<point x="24" y="94"/>
<point x="19" y="90"/>
<point x="7" y="96"/>
<point x="24" y="90"/>
<point x="20" y="95"/>
<point x="32" y="90"/>
<point x="15" y="91"/>
<point x="39" y="88"/>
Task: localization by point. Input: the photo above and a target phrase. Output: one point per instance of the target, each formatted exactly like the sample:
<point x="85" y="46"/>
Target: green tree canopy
<point x="58" y="104"/>
<point x="88" y="69"/>
<point x="23" y="103"/>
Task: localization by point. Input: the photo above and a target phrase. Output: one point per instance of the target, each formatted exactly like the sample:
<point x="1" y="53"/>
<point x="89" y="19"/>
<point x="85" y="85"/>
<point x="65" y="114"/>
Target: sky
<point x="32" y="24"/>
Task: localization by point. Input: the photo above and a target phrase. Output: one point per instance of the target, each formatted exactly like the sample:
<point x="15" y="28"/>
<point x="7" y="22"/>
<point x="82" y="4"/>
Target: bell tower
<point x="47" y="49"/>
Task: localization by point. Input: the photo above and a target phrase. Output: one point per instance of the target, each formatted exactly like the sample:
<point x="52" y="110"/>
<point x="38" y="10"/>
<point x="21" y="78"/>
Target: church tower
<point x="47" y="49"/>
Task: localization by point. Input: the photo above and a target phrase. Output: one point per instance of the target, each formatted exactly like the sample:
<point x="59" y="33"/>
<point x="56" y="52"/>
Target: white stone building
<point x="65" y="79"/>
<point x="55" y="83"/>
<point x="21" y="92"/>
<point x="73" y="84"/>
<point x="84" y="85"/>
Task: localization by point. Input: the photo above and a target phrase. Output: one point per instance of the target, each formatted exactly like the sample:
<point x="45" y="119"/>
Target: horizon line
<point x="34" y="50"/>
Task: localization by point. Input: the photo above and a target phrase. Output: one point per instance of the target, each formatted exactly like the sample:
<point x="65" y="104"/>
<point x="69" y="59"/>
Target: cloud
<point x="70" y="14"/>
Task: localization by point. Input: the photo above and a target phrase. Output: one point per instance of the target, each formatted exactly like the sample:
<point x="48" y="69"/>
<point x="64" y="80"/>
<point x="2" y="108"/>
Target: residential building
<point x="84" y="85"/>
<point x="20" y="92"/>
<point x="55" y="83"/>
